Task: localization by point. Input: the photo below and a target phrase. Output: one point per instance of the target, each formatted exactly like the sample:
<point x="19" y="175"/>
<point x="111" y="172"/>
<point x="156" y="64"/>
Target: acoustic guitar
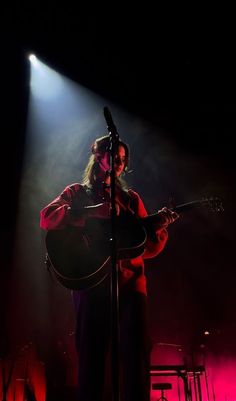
<point x="80" y="257"/>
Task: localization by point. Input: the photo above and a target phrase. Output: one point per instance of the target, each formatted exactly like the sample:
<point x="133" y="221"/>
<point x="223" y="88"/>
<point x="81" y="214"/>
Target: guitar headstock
<point x="214" y="203"/>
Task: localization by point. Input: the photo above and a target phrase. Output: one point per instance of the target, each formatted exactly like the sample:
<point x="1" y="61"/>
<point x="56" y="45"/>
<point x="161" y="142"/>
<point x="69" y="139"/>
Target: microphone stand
<point x="115" y="329"/>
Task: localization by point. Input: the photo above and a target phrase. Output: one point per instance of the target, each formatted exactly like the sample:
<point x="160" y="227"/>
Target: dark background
<point x="175" y="69"/>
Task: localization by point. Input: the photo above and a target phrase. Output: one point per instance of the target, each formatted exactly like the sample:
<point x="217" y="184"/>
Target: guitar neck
<point x="215" y="204"/>
<point x="185" y="207"/>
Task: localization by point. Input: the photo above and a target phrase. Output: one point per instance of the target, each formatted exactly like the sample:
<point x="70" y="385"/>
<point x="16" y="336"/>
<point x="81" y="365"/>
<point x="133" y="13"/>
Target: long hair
<point x="99" y="147"/>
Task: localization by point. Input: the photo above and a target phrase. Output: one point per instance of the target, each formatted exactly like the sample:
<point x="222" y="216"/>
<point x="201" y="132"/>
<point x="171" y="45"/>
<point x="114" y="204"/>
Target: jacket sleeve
<point x="57" y="214"/>
<point x="156" y="240"/>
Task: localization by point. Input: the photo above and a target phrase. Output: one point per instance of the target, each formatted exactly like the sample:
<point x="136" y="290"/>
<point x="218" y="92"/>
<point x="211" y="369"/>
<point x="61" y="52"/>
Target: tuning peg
<point x="216" y="204"/>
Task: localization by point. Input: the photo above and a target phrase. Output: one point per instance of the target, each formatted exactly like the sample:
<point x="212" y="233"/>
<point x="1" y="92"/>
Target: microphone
<point x="110" y="123"/>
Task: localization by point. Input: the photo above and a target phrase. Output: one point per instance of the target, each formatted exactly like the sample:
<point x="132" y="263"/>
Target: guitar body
<point x="80" y="257"/>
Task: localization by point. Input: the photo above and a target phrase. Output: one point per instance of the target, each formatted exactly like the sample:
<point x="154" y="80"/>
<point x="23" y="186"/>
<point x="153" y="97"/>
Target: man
<point x="75" y="207"/>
